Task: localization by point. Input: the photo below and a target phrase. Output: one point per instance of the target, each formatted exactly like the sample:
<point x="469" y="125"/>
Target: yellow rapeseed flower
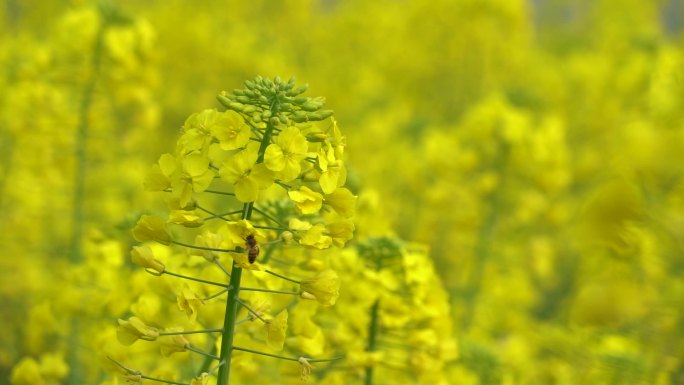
<point x="316" y="237"/>
<point x="306" y="200"/>
<point x="325" y="287"/>
<point x="341" y="232"/>
<point x="174" y="343"/>
<point x="246" y="176"/>
<point x="276" y="330"/>
<point x="231" y="130"/>
<point x="144" y="256"/>
<point x="342" y="201"/>
<point x="151" y="228"/>
<point x="285" y="155"/>
<point x="134" y="329"/>
<point x="189" y="302"/>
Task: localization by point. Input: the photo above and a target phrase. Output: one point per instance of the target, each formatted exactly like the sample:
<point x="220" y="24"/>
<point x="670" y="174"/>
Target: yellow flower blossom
<point x="189" y="302"/>
<point x="231" y="130"/>
<point x="247" y="177"/>
<point x="174" y="343"/>
<point x="197" y="131"/>
<point x="195" y="176"/>
<point x="331" y="169"/>
<point x="276" y="329"/>
<point x="134" y="329"/>
<point x="325" y="287"/>
<point x="304" y="335"/>
<point x="187" y="218"/>
<point x="213" y="240"/>
<point x="151" y="228"/>
<point x="316" y="237"/>
<point x="306" y="200"/>
<point x="156" y="180"/>
<point x="342" y="201"/>
<point x="285" y="155"/>
<point x="341" y="232"/>
<point x="144" y="256"/>
<point x="297" y="224"/>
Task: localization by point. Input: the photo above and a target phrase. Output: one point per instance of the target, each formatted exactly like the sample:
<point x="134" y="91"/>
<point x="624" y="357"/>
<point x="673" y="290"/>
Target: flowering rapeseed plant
<point x="241" y="181"/>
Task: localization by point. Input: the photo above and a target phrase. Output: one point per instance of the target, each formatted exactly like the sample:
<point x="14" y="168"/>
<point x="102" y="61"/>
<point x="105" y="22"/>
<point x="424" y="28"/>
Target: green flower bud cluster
<point x="275" y="101"/>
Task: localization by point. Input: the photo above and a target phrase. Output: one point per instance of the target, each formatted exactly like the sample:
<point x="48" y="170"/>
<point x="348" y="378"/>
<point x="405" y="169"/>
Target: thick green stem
<point x="232" y="303"/>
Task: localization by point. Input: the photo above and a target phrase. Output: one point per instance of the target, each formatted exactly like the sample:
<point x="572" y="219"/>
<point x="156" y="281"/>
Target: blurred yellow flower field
<point x="497" y="199"/>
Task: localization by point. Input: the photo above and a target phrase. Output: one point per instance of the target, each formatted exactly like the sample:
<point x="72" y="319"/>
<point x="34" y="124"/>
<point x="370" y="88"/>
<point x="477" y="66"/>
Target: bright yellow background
<point x="535" y="146"/>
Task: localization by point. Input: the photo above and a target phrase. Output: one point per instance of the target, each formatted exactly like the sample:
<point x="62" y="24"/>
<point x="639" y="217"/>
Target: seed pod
<point x="242" y="99"/>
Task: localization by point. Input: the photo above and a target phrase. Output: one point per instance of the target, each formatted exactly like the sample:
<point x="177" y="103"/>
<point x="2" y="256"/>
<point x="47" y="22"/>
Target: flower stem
<point x="223" y="268"/>
<point x="219" y="192"/>
<point x="229" y="326"/>
<point x="283" y="277"/>
<point x="214" y="295"/>
<point x="284" y="357"/>
<point x="227" y="287"/>
<point x="235" y="278"/>
<point x="272" y="228"/>
<point x="267" y="216"/>
<point x="203" y="247"/>
<point x="191" y="332"/>
<point x="202" y="352"/>
<point x="271" y="291"/>
<point x="161" y="380"/>
<point x="252" y="311"/>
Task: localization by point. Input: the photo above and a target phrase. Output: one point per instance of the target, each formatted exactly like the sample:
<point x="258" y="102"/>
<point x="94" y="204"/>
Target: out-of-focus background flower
<point x="535" y="146"/>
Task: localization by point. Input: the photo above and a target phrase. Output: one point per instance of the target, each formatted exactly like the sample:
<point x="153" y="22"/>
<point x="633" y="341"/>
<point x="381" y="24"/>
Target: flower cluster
<point x="251" y="191"/>
<point x="396" y="323"/>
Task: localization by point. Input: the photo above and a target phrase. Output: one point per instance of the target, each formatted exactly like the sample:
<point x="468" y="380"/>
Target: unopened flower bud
<point x="287" y="237"/>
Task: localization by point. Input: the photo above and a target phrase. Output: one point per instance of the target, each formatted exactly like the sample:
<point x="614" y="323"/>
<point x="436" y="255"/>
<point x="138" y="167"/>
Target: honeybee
<point x="252" y="248"/>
